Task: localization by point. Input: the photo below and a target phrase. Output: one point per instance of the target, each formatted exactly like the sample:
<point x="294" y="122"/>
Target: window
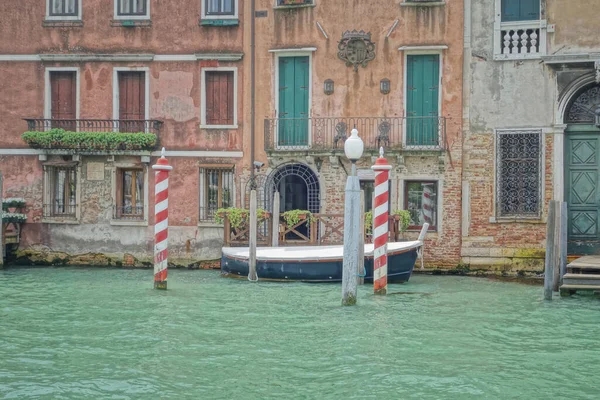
<point x="369" y="188"/>
<point x="63" y="99"/>
<point x="130" y="194"/>
<point x="60" y="193"/>
<point x="520" y="10"/>
<point x="130" y="100"/>
<point x="220" y="7"/>
<point x="63" y="8"/>
<point x="518" y="174"/>
<point x="293" y="2"/>
<point x="219" y="98"/>
<point x="420" y="199"/>
<point x="216" y="190"/>
<point x="422" y="100"/>
<point x="132" y="9"/>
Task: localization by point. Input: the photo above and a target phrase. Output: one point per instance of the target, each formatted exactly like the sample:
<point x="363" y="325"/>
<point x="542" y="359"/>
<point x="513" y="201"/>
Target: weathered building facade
<point x="531" y="128"/>
<point x="391" y="69"/>
<point x="112" y="68"/>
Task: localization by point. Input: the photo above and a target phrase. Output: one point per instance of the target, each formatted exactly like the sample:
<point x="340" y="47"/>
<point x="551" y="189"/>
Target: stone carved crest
<point x="356" y="48"/>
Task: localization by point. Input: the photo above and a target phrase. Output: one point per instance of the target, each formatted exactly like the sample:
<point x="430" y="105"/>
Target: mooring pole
<point x="252" y="243"/>
<point x="1" y="226"/>
<point x="548" y="273"/>
<point x="275" y="219"/>
<point x="563" y="240"/>
<point x="161" y="221"/>
<point x="361" y="241"/>
<point x="557" y="248"/>
<point x="380" y="224"/>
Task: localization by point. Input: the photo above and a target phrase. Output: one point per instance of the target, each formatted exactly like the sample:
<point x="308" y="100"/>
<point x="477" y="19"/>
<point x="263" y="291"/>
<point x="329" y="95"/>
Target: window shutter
<point x="520" y="10"/>
<point x="132" y="100"/>
<point x="219" y="98"/>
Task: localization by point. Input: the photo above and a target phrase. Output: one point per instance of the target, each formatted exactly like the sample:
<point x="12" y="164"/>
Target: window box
<point x="219" y="22"/>
<point x="294" y="3"/>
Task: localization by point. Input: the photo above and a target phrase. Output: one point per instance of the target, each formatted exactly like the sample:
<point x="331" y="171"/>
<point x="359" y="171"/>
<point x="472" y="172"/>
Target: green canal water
<point x="78" y="333"/>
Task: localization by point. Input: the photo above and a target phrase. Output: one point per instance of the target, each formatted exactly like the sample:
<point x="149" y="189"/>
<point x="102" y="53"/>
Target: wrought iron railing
<point x="59" y="210"/>
<point x="129" y="213"/>
<point x="329" y="133"/>
<point x="96" y="125"/>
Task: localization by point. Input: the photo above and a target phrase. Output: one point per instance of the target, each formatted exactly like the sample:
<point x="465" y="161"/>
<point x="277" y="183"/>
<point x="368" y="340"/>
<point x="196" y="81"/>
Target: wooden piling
<point x="1" y="226"/>
<point x="361" y="240"/>
<point x="252" y="242"/>
<point x="549" y="262"/>
<point x="275" y="230"/>
<point x="563" y="240"/>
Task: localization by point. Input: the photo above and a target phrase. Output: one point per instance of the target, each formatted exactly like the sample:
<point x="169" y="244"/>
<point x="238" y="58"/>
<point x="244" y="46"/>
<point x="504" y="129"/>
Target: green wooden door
<point x="293" y="101"/>
<point x="422" y="99"/>
<point x="582" y="164"/>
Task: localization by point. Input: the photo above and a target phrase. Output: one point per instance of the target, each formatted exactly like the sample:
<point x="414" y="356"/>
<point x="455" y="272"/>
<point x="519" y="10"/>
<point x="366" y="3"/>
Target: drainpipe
<point x="252" y="86"/>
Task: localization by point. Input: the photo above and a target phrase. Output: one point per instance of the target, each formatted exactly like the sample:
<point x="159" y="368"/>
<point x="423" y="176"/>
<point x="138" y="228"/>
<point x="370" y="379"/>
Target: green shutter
<point x="293" y="101"/>
<point x="520" y="10"/>
<point x="422" y="100"/>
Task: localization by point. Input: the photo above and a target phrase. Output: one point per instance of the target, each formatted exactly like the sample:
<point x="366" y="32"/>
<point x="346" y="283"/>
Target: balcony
<point x="328" y="134"/>
<point x="92" y="134"/>
<point x="520" y="40"/>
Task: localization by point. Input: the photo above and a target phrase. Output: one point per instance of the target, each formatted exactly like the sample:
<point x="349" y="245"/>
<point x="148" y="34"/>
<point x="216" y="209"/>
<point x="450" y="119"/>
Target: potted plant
<point x="403" y="218"/>
<point x="238" y="217"/>
<point x="293" y="217"/>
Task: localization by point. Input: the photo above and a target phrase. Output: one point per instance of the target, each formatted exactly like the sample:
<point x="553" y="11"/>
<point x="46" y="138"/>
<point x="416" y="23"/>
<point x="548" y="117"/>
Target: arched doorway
<point x="298" y="188"/>
<point x="582" y="170"/>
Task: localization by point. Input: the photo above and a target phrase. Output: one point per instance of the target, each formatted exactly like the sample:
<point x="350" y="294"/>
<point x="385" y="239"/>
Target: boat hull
<point x="312" y="269"/>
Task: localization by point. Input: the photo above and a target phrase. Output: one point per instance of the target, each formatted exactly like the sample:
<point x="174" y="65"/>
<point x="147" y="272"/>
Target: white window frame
<point x="116" y="71"/>
<point x="422" y="51"/>
<point x="495" y="216"/>
<point x="202" y="192"/>
<point x="47" y="194"/>
<point x="294" y="53"/>
<point x="203" y="124"/>
<point x="530" y="24"/>
<point x="205" y="15"/>
<point x="66" y="17"/>
<point x="440" y="196"/>
<point x="125" y="165"/>
<point x="131" y="17"/>
<point x="48" y="91"/>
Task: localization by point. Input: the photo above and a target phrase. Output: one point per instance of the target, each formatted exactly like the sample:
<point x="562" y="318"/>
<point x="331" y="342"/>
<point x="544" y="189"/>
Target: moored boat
<point x="316" y="263"/>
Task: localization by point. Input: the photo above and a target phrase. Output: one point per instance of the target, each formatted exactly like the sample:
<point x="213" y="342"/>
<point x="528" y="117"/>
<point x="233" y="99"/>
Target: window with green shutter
<point x="422" y="99"/>
<point x="520" y="10"/>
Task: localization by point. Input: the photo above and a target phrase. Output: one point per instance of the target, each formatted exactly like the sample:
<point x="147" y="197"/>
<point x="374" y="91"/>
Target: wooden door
<point x="422" y="100"/>
<point x="132" y="101"/>
<point x="63" y="100"/>
<point x="582" y="194"/>
<point x="293" y="101"/>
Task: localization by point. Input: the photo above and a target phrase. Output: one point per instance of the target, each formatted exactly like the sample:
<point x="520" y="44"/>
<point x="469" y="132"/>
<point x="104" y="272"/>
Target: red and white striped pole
<point x="380" y="223"/>
<point x="161" y="220"/>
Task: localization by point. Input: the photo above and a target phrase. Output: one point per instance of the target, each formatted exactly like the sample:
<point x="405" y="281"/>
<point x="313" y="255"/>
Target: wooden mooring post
<point x="550" y="253"/>
<point x="252" y="242"/>
<point x="275" y="230"/>
<point x="361" y="240"/>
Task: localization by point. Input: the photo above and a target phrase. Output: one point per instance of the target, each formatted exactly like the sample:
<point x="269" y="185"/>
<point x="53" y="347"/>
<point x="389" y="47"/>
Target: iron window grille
<point x="131" y="7"/>
<point x="217" y="191"/>
<point x="64" y="8"/>
<point x="220" y="7"/>
<point x="519" y="174"/>
<point x="61" y="192"/>
<point x="420" y="199"/>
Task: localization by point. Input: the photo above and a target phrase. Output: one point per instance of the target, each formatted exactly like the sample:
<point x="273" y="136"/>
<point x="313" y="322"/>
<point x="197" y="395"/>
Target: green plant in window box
<point x="292" y="217"/>
<point x="61" y="139"/>
<point x="239" y="217"/>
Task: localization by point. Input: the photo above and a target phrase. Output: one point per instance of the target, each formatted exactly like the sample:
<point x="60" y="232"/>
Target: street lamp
<point x="353" y="147"/>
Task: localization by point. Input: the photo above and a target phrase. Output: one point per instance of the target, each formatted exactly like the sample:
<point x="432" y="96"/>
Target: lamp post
<point x="353" y="148"/>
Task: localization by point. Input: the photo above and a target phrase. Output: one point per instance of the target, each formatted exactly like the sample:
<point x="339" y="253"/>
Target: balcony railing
<point x="128" y="213"/>
<point x="59" y="210"/>
<point x="524" y="39"/>
<point x="330" y="133"/>
<point x="96" y="125"/>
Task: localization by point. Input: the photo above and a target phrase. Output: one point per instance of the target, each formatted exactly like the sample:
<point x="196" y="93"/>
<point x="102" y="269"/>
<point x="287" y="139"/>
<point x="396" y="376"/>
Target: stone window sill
<point x="55" y="23"/>
<point x="293" y="6"/>
<point x="120" y="222"/>
<point x="129" y="23"/>
<point x="423" y="4"/>
<point x="503" y="220"/>
<point x="516" y="57"/>
<point x="60" y="221"/>
<point x="217" y="127"/>
<point x="219" y="22"/>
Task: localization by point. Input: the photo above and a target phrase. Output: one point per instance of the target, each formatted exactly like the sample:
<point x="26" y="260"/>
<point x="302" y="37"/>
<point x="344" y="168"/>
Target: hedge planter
<point x="13" y="217"/>
<point x="99" y="141"/>
<point x="13" y="202"/>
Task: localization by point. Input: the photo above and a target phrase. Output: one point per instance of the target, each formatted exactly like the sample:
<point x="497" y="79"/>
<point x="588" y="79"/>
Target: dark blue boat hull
<point x="400" y="267"/>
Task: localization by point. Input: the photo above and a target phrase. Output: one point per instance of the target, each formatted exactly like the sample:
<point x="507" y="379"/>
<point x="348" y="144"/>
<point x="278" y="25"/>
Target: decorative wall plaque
<point x="95" y="171"/>
<point x="356" y="48"/>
